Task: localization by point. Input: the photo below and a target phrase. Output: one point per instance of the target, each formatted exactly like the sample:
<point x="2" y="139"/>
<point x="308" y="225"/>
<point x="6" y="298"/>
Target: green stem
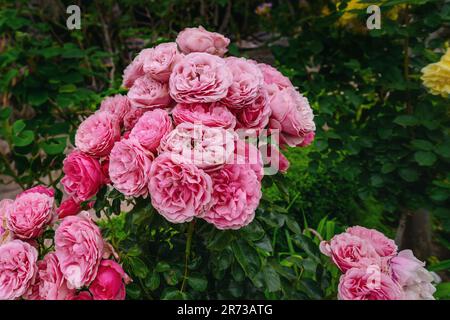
<point x="190" y="233"/>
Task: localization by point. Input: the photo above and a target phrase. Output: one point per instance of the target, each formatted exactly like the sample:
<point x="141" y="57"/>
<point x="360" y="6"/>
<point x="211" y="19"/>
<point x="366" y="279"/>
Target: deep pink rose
<point x="200" y="77"/>
<point x="83" y="176"/>
<point x="151" y="128"/>
<point x="147" y="93"/>
<point x="179" y="190"/>
<point x="17" y="268"/>
<point x="109" y="284"/>
<point x="104" y="166"/>
<point x="247" y="83"/>
<point x="132" y="117"/>
<point x="129" y="167"/>
<point x="135" y="69"/>
<point x="117" y="105"/>
<point x="49" y="283"/>
<point x="308" y="139"/>
<point x="82" y="295"/>
<point x="200" y="40"/>
<point x="256" y="114"/>
<point x="208" y="148"/>
<point x="249" y="154"/>
<point x="5" y="234"/>
<point x="348" y="251"/>
<point x="274" y="157"/>
<point x="96" y="135"/>
<point x="39" y="189"/>
<point x="68" y="207"/>
<point x="235" y="197"/>
<point x="384" y="246"/>
<point x="292" y="115"/>
<point x="30" y="214"/>
<point x="159" y="62"/>
<point x="209" y="114"/>
<point x="368" y="284"/>
<point x="79" y="248"/>
<point x="411" y="274"/>
<point x="273" y="76"/>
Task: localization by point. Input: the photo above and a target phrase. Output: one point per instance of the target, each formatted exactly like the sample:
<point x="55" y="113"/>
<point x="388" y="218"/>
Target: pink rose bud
<point x="68" y="207"/>
<point x="200" y="40"/>
<point x="109" y="283"/>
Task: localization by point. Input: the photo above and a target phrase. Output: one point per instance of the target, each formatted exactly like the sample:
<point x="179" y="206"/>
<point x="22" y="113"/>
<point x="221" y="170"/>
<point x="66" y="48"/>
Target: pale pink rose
<point x="348" y="251"/>
<point x="17" y="269"/>
<point x="109" y="283"/>
<point x="256" y="114"/>
<point x="135" y="69"/>
<point x="235" y="197"/>
<point x="30" y="214"/>
<point x="247" y="83"/>
<point x="68" y="207"/>
<point x="83" y="176"/>
<point x="151" y="128"/>
<point x="117" y="105"/>
<point x="200" y="77"/>
<point x="200" y="40"/>
<point x="208" y="148"/>
<point x="384" y="246"/>
<point x="96" y="135"/>
<point x="209" y="114"/>
<point x="367" y="284"/>
<point x="38" y="189"/>
<point x="292" y="115"/>
<point x="179" y="190"/>
<point x="273" y="76"/>
<point x="49" y="283"/>
<point x="5" y="234"/>
<point x="274" y="157"/>
<point x="411" y="274"/>
<point x="249" y="154"/>
<point x="159" y="62"/>
<point x="79" y="248"/>
<point x="82" y="295"/>
<point x="308" y="139"/>
<point x="147" y="93"/>
<point x="132" y="117"/>
<point x="129" y="167"/>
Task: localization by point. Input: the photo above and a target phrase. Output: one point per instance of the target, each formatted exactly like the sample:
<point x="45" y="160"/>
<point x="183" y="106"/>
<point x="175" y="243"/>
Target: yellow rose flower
<point x="436" y="76"/>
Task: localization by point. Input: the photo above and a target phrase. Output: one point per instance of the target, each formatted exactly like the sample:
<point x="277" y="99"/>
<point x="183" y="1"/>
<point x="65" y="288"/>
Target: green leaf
<point x="54" y="146"/>
<point x="173" y="294"/>
<point x="443" y="290"/>
<point x="5" y="113"/>
<point x="409" y="175"/>
<point x="425" y="158"/>
<point x="24" y="138"/>
<point x="307" y="245"/>
<point x="36" y="98"/>
<point x="420" y="144"/>
<point x="153" y="282"/>
<point x="198" y="282"/>
<point x="68" y="88"/>
<point x="162" y="267"/>
<point x="247" y="257"/>
<point x="271" y="278"/>
<point x="441" y="266"/>
<point x="133" y="291"/>
<point x="406" y="120"/>
<point x="443" y="149"/>
<point x="139" y="267"/>
<point x="387" y="168"/>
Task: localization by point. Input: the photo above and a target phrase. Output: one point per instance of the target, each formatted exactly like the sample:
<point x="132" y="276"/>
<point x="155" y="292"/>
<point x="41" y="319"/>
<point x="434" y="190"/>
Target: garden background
<point x="380" y="158"/>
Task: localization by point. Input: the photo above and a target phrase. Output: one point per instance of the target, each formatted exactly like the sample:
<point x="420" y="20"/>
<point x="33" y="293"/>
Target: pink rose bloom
<point x="274" y="157"/>
<point x="96" y="135"/>
<point x="273" y="76"/>
<point x="207" y="148"/>
<point x="348" y="251"/>
<point x="135" y="69"/>
<point x="30" y="214"/>
<point x="179" y="190"/>
<point x="117" y="105"/>
<point x="411" y="274"/>
<point x="292" y="115"/>
<point x="256" y="114"/>
<point x="109" y="284"/>
<point x="200" y="77"/>
<point x="308" y="139"/>
<point x="147" y="93"/>
<point x="5" y="234"/>
<point x="132" y="117"/>
<point x="208" y="114"/>
<point x="17" y="269"/>
<point x="79" y="248"/>
<point x="68" y="207"/>
<point x="235" y="197"/>
<point x="384" y="246"/>
<point x="39" y="189"/>
<point x="83" y="176"/>
<point x="362" y="284"/>
<point x="151" y="128"/>
<point x="82" y="295"/>
<point x="200" y="40"/>
<point x="249" y="154"/>
<point x="50" y="283"/>
<point x="247" y="83"/>
<point x="159" y="62"/>
<point x="129" y="167"/>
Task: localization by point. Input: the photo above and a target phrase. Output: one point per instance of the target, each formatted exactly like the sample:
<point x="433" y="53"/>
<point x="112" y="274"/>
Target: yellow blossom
<point x="436" y="76"/>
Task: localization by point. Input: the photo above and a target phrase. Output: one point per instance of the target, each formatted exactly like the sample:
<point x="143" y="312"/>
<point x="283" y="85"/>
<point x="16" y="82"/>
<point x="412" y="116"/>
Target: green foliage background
<point x="382" y="144"/>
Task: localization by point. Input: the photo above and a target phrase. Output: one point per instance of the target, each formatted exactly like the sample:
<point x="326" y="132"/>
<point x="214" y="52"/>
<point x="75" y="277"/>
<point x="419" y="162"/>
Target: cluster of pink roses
<point x="174" y="135"/>
<point x="374" y="270"/>
<point x="75" y="265"/>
